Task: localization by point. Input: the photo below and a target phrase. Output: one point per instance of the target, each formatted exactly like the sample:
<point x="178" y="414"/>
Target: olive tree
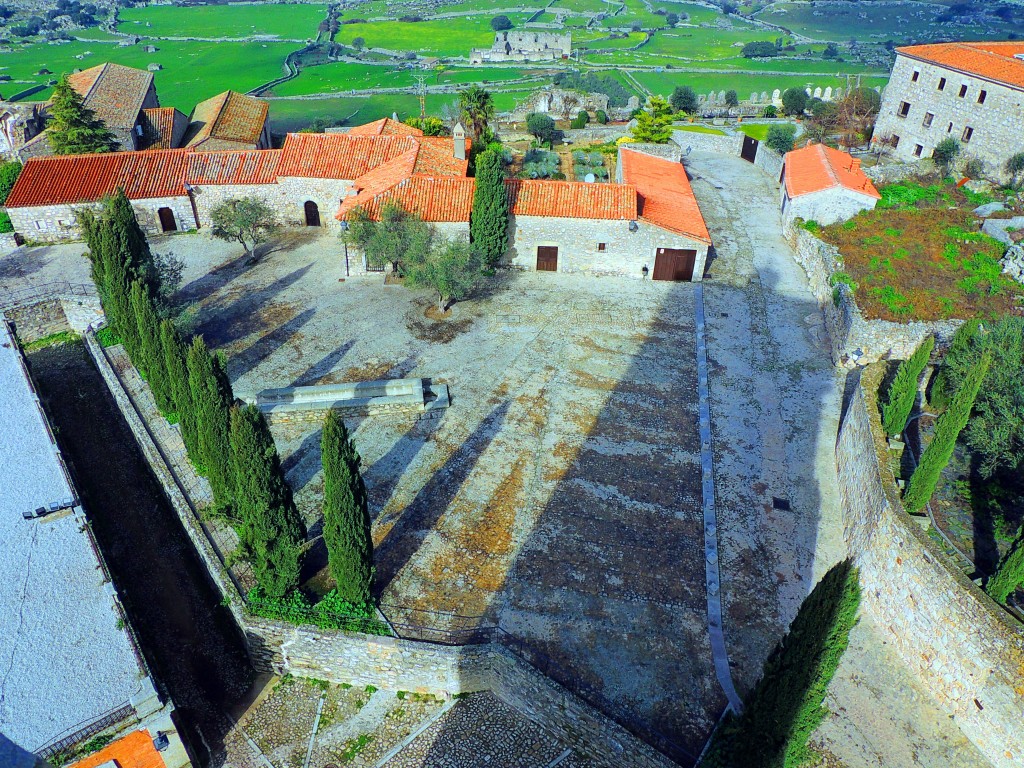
<point x="246" y="220"/>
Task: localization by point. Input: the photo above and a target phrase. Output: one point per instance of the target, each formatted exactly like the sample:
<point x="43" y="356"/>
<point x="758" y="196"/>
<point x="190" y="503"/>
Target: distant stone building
<point x="19" y="123"/>
<point x="229" y="120"/>
<point x="560" y="103"/>
<point x="824" y="185"/>
<point x="972" y="92"/>
<point x="524" y="45"/>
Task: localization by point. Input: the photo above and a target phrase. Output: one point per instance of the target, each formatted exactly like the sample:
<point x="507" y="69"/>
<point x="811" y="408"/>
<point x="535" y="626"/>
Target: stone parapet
<point x="708" y="142"/>
<point x="965" y="650"/>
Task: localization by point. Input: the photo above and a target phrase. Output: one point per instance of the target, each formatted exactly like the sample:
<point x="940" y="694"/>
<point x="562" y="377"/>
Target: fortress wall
<point x="967" y="652"/>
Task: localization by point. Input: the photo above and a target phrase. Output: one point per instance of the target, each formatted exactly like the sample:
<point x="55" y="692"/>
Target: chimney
<point x="459" y="141"/>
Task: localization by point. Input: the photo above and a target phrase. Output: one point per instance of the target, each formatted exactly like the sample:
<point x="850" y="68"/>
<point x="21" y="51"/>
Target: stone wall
<point x="890" y="173"/>
<point x="579" y="245"/>
<point x="853" y="338"/>
<point x="8" y="242"/>
<point x="825" y="207"/>
<point x="996" y="123"/>
<point x="708" y="142"/>
<point x="967" y="652"/>
<point x="768" y="160"/>
<point x="45" y="318"/>
<point x="54" y="223"/>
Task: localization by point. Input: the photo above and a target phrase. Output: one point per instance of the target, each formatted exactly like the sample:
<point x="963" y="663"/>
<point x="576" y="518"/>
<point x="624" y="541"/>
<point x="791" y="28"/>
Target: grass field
<point x="698" y="129"/>
<point x="635" y="38"/>
<point x="441" y="37"/>
<point x="345" y="76"/>
<point x="192" y="71"/>
<point x="759" y="132"/>
<point x="292" y="22"/>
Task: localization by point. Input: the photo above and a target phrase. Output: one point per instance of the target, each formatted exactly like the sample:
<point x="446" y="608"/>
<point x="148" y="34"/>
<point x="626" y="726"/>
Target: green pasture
<point x="294" y="22"/>
<point x="698" y="129"/>
<point x="571" y="23"/>
<point x="441" y="37"/>
<point x="585" y="6"/>
<point x="755" y="131"/>
<point x="192" y="71"/>
<point x="635" y="38"/>
<point x="704" y="82"/>
<point x="703" y="42"/>
<point x="338" y="77"/>
<point x="889" y="21"/>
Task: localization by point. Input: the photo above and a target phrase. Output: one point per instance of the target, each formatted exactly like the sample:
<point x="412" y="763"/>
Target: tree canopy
<point x="488" y="224"/>
<point x="73" y="128"/>
<point x="780" y="137"/>
<point x="794" y="101"/>
<point x="246" y="220"/>
<point x="400" y="238"/>
<point x="543" y="127"/>
<point x="684" y="99"/>
<point x="501" y="23"/>
<point x="476" y="109"/>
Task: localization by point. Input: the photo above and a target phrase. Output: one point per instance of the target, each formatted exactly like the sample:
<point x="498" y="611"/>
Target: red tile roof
<point x="115" y="93"/>
<point x="159" y="127"/>
<point x="571" y="199"/>
<point x="432" y="198"/>
<point x="71" y="179"/>
<point x="992" y="61"/>
<point x="665" y="196"/>
<point x="254" y="166"/>
<point x="135" y="750"/>
<point x="338" y="155"/>
<point x="229" y="116"/>
<point x="437" y="157"/>
<point x="384" y="127"/>
<point x="816" y="167"/>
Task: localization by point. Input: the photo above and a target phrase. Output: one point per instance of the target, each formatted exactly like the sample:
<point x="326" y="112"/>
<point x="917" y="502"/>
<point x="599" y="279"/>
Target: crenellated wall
<point x="966" y="651"/>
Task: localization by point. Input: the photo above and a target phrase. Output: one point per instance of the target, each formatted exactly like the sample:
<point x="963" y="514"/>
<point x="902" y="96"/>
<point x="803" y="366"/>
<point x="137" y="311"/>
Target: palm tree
<point x="477" y="108"/>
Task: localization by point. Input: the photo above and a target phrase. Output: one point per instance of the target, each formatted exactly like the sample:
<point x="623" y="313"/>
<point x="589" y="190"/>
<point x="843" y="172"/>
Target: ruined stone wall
<point x="967" y="652"/>
<point x="825" y="207"/>
<point x="578" y="241"/>
<point x="996" y="122"/>
<point x="847" y="328"/>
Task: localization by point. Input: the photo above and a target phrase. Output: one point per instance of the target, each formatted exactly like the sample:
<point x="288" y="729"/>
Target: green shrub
<point x="908" y="195"/>
<point x="902" y="393"/>
<point x="780" y="137"/>
<point x="954" y="365"/>
<point x="329" y="613"/>
<point x="936" y="456"/>
<point x="811" y="225"/>
<point x="786" y="706"/>
<point x="601" y="116"/>
<point x="6" y="226"/>
<point x="1010" y="573"/>
<point x="581" y="120"/>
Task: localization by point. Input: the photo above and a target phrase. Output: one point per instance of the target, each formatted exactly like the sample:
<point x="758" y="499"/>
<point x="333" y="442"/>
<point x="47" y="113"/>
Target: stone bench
<point x="362" y="398"/>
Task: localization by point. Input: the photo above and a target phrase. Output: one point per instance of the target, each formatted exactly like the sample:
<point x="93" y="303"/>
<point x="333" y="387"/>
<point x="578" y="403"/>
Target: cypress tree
<point x="177" y="379"/>
<point x="936" y="456"/>
<point x="346" y="514"/>
<point x="73" y="128"/>
<point x="151" y="348"/>
<point x="117" y="287"/>
<point x="1010" y="573"/>
<point x="130" y="240"/>
<point x="211" y="403"/>
<point x="271" y="530"/>
<point x="903" y="391"/>
<point x="488" y="225"/>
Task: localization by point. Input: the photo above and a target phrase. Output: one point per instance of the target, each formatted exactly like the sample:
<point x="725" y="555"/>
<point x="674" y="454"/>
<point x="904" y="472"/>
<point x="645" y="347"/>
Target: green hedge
<point x="331" y="612"/>
<point x="1010" y="573"/>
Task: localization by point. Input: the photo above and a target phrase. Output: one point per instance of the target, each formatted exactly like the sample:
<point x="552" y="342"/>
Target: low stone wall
<point x="49" y="316"/>
<point x="967" y="652"/>
<point x="890" y="173"/>
<point x="8" y="242"/>
<point x="595" y="134"/>
<point x="768" y="160"/>
<point x="708" y="142"/>
<point x="855" y="339"/>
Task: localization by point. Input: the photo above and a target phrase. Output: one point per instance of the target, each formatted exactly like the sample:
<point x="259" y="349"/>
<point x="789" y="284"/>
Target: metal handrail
<point x="77" y="733"/>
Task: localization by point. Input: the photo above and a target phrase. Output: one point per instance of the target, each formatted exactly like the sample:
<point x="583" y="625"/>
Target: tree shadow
<point x="422" y="514"/>
<point x="214" y="280"/>
<point x="244" y="362"/>
<point x="997" y="503"/>
<point x="320" y="369"/>
<point x="23" y="262"/>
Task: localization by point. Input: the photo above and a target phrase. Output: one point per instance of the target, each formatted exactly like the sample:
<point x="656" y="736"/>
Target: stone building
<point x="19" y="123"/>
<point x="647" y="224"/>
<point x="824" y="185"/>
<point x="229" y="120"/>
<point x="560" y="103"/>
<point x="524" y="45"/>
<point x="972" y="92"/>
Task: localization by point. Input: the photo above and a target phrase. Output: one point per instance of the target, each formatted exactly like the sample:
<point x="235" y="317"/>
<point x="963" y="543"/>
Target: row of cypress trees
<point x="229" y="443"/>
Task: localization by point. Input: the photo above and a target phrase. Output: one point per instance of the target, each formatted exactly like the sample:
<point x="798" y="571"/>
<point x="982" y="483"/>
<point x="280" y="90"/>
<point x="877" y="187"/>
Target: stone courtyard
<point x="559" y="496"/>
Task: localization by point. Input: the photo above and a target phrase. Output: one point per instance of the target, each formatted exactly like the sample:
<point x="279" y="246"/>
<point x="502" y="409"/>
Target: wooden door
<point x="312" y="214"/>
<point x="167" y="222"/>
<point x="547" y="258"/>
<point x="749" y="151"/>
<point x="674" y="264"/>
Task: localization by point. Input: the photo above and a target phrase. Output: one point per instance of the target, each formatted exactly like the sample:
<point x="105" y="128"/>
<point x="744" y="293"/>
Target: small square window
<point x="914" y="77"/>
<point x="968" y="132"/>
<point x="942" y="83"/>
<point x="963" y="91"/>
<point x="982" y="96"/>
<point x="904" y="109"/>
<point x="918" y="149"/>
<point x="602" y="246"/>
<point x="928" y="117"/>
<point x="950" y="128"/>
<point x="895" y="141"/>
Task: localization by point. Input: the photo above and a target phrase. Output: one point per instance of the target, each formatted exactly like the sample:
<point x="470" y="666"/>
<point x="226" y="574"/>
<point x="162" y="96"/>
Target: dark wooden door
<point x="749" y="151"/>
<point x="547" y="258"/>
<point x="167" y="222"/>
<point x="674" y="264"/>
<point x="312" y="214"/>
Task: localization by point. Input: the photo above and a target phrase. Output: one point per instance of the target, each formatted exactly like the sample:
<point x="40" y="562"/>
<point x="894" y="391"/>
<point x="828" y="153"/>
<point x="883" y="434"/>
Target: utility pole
<point x="421" y="82"/>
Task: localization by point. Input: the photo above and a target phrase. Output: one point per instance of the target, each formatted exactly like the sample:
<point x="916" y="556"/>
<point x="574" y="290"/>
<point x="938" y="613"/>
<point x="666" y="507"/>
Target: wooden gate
<point x="674" y="264"/>
<point x="167" y="222"/>
<point x="749" y="151"/>
<point x="312" y="214"/>
<point x="547" y="258"/>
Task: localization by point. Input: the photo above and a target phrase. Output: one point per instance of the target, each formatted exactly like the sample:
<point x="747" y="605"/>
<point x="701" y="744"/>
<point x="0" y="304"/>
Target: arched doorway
<point x="167" y="222"/>
<point x="312" y="214"/>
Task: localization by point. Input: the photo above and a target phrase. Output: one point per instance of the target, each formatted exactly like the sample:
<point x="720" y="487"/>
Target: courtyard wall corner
<point x="967" y="652"/>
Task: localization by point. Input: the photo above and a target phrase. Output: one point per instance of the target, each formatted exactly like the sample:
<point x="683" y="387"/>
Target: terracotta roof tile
<point x="229" y="116"/>
<point x="135" y="750"/>
<point x="254" y="166"/>
<point x="571" y="199"/>
<point x="384" y="127"/>
<point x="433" y="199"/>
<point x="338" y="155"/>
<point x="115" y="93"/>
<point x="71" y="179"/>
<point x="816" y="167"/>
<point x="992" y="61"/>
<point x="160" y="125"/>
<point x="437" y="157"/>
<point x="665" y="196"/>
